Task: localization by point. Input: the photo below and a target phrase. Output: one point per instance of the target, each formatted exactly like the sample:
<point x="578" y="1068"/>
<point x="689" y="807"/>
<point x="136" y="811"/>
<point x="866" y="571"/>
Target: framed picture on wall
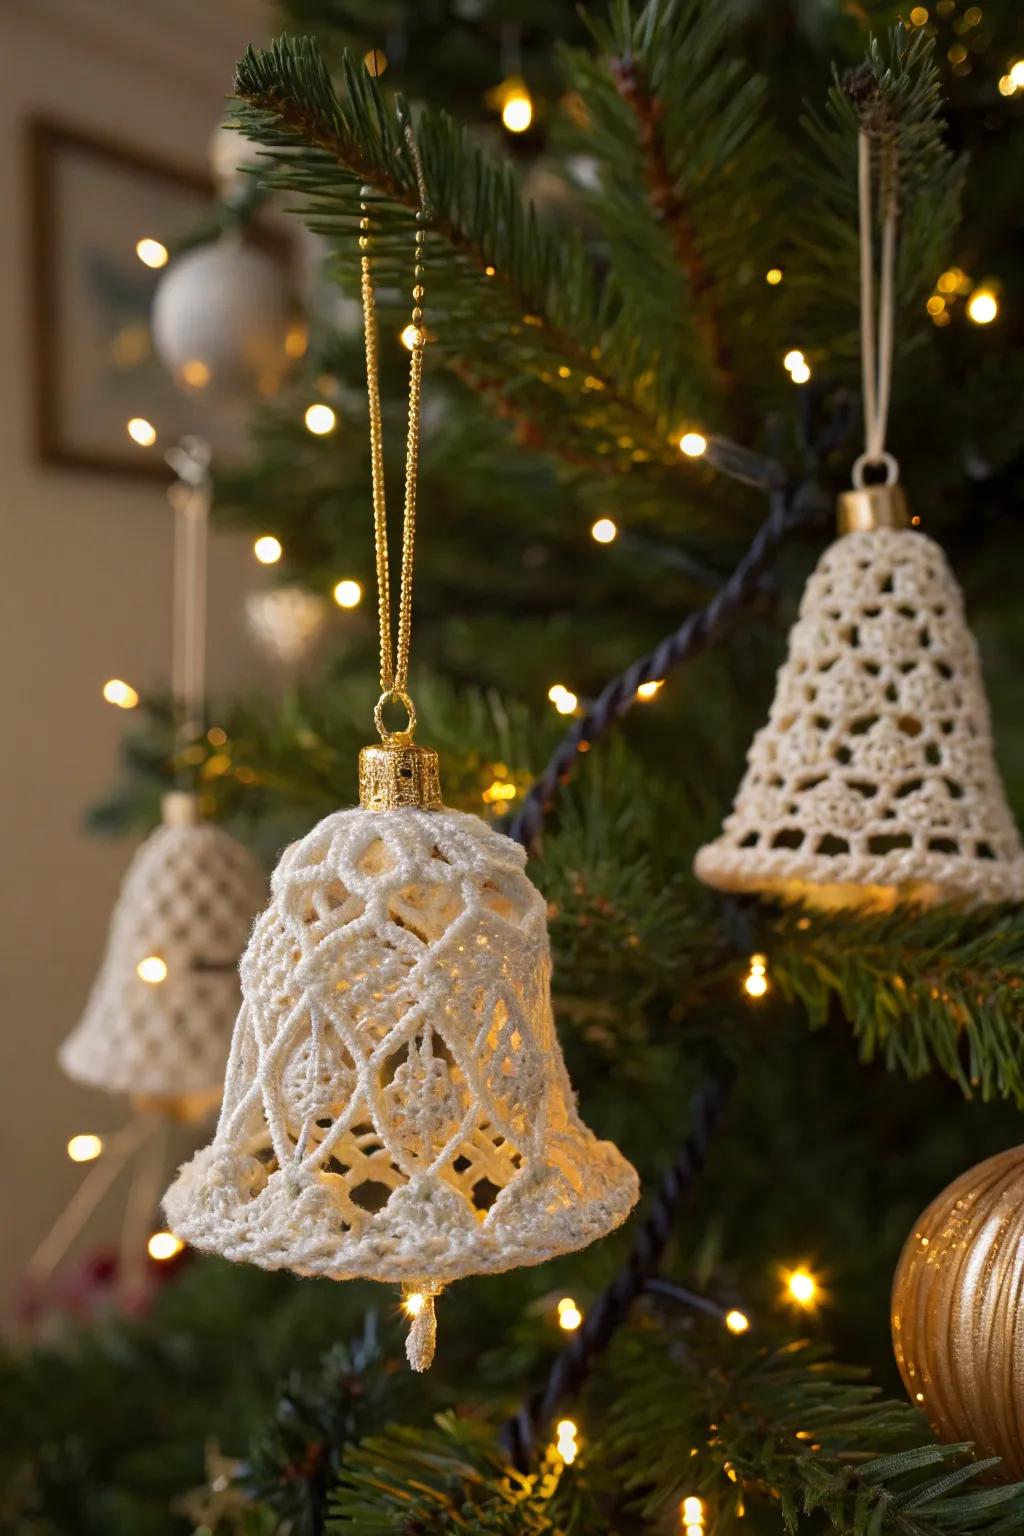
<point x="103" y="220"/>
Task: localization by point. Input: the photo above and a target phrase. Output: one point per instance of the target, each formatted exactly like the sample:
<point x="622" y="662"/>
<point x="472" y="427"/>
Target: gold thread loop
<point x="394" y="647"/>
<point x="395" y="738"/>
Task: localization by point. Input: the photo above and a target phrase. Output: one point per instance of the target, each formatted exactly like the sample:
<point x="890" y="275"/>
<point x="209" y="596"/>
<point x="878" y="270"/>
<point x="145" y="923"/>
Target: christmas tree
<point x="641" y="336"/>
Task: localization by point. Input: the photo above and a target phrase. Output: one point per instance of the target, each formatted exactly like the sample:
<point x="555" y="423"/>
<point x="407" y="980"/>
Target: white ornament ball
<point x="221" y="317"/>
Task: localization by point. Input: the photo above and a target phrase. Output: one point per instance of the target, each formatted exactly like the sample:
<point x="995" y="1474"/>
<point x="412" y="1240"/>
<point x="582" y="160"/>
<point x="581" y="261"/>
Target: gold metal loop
<point x="395" y="738"/>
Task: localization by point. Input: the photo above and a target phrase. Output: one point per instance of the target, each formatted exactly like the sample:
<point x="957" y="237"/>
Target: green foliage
<point x="451" y="1479"/>
<point x="922" y="990"/>
<point x="897" y="95"/>
<point x="679" y="134"/>
<point x="782" y="1423"/>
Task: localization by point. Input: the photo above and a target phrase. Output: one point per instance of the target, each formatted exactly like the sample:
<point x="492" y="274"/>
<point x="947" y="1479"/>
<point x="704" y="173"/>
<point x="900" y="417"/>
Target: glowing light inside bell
<point x="737" y="1321"/>
<point x="117" y="691"/>
<point x="152" y="969"/>
<point x="755" y="983"/>
<point x="267" y="549"/>
<point x="141" y="431"/>
<point x="569" y="1314"/>
<point x="84" y="1148"/>
<point x="163" y="1246"/>
<point x="152" y="253"/>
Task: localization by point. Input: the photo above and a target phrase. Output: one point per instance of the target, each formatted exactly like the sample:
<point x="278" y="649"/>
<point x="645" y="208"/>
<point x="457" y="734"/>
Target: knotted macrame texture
<point x="874" y="779"/>
<point x="188" y="900"/>
<point x="396" y="1105"/>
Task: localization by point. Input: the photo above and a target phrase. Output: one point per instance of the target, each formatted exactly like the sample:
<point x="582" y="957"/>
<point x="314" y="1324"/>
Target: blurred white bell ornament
<point x="158" y="1022"/>
<point x="287" y="621"/>
<point x="221" y="318"/>
<point x="874" y="781"/>
<point x="396" y="1105"/>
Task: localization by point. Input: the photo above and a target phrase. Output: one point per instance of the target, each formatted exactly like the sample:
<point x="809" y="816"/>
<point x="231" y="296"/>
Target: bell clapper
<point x="418" y="1305"/>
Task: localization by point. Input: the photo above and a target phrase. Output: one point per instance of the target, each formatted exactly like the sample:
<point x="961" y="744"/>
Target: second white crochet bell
<point x="396" y="1104"/>
<point x="874" y="781"/>
<point x="158" y="1021"/>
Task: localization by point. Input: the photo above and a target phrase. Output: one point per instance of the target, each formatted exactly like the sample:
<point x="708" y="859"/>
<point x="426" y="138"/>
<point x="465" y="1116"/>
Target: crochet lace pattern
<point x="188" y="897"/>
<point x="396" y="1104"/>
<point x="876" y="767"/>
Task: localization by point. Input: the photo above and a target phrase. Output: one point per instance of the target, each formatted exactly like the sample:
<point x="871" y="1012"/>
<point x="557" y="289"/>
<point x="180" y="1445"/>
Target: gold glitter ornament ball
<point x="957" y="1305"/>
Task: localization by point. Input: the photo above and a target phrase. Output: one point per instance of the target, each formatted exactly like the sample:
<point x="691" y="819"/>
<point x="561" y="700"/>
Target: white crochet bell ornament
<point x="396" y="1105"/>
<point x="158" y="1022"/>
<point x="874" y="781"/>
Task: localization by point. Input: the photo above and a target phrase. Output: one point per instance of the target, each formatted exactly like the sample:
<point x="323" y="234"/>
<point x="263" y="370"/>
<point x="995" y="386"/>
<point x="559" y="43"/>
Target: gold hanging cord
<point x="394" y="653"/>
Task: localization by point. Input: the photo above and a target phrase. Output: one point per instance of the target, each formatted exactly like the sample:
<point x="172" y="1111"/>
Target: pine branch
<point x="791" y="1428"/>
<point x="920" y="990"/>
<point x="682" y="142"/>
<point x="898" y="94"/>
<point x="453" y="1478"/>
<point x="516" y="302"/>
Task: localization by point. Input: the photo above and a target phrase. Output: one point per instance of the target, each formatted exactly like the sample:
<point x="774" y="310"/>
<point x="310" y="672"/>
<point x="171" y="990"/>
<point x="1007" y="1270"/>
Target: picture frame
<point x="95" y="370"/>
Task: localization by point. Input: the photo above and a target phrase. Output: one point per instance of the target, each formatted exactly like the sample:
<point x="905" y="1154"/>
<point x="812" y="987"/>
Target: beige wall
<point x="84" y="593"/>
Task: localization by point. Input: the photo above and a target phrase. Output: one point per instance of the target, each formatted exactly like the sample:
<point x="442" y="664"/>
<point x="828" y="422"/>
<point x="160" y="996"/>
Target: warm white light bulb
<point x="117" y="691"/>
<point x="569" y="1314"/>
<point x="793" y="359"/>
<point x="982" y="306"/>
<point x="267" y="549"/>
<point x="152" y="253"/>
<point x="604" y="530"/>
<point x="564" y="700"/>
<point x="693" y="444"/>
<point x="348" y="593"/>
<point x="320" y="420"/>
<point x="141" y="431"/>
<point x="164" y="1245"/>
<point x="737" y="1321"/>
<point x="802" y="1287"/>
<point x="773" y="276"/>
<point x="84" y="1148"/>
<point x="410" y="335"/>
<point x="648" y="691"/>
<point x="517" y="111"/>
<point x="800" y="373"/>
<point x="414" y="1303"/>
